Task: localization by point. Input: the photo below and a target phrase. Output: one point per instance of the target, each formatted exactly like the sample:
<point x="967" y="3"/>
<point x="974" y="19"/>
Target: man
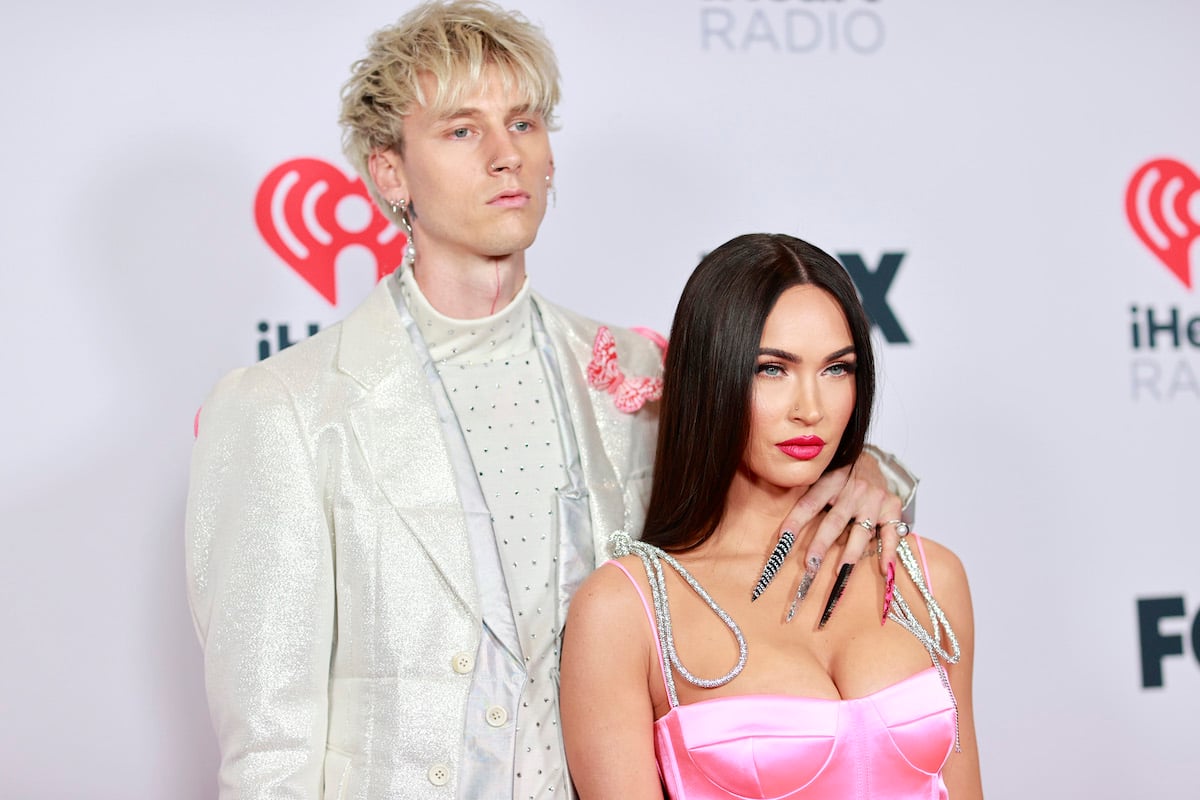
<point x="386" y="521"/>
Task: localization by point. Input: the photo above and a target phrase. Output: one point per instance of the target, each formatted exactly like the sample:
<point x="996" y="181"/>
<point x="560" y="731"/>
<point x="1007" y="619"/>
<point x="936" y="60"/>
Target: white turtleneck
<point x="497" y="386"/>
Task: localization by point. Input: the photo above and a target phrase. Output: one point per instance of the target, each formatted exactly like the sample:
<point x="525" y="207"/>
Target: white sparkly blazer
<point x="330" y="572"/>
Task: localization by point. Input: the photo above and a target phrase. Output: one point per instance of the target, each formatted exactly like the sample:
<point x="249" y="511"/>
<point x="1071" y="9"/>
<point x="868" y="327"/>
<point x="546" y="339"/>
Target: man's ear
<point x="387" y="170"/>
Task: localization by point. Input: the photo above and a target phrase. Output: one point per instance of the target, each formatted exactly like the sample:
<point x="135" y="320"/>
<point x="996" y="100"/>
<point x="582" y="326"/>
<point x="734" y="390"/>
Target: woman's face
<point x="804" y="389"/>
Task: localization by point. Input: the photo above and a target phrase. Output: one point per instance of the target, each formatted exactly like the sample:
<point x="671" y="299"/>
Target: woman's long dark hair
<point x="704" y="422"/>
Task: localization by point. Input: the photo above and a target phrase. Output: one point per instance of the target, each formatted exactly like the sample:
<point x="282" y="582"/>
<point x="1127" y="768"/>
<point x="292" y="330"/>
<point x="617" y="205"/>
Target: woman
<point x="769" y="383"/>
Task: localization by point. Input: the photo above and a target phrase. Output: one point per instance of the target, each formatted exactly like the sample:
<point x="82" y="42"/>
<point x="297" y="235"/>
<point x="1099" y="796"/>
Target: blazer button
<point x="496" y="716"/>
<point x="439" y="774"/>
<point x="462" y="663"/>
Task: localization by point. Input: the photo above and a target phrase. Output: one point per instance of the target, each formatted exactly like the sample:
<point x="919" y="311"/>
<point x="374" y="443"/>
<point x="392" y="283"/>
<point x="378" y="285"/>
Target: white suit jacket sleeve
<point x="260" y="581"/>
<point x="901" y="482"/>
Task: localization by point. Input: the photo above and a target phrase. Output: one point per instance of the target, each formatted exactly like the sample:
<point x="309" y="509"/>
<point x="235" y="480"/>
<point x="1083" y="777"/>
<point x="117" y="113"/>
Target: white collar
<point x="463" y="342"/>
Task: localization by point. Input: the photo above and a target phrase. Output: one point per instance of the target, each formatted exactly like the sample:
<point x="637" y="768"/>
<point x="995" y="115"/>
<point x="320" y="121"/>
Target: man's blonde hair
<point x="454" y="42"/>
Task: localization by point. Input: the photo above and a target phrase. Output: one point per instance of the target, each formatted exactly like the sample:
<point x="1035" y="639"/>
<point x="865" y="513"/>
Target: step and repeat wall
<point x="1013" y="186"/>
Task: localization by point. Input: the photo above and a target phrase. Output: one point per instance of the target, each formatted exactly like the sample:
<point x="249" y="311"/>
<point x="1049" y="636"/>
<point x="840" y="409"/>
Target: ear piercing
<point x="400" y="210"/>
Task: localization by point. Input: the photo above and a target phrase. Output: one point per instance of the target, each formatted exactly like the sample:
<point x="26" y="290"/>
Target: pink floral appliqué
<point x="629" y="394"/>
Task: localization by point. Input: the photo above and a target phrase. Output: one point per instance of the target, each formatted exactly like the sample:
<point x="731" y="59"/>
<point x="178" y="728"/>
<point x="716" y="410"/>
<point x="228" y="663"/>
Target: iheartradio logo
<point x="308" y="212"/>
<point x="1163" y="206"/>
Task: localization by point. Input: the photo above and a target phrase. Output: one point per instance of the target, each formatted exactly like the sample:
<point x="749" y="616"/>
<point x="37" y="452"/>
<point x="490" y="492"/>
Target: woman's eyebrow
<point x="775" y="353"/>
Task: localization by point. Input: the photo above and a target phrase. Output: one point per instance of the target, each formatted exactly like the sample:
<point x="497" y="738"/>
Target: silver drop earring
<point x="400" y="209"/>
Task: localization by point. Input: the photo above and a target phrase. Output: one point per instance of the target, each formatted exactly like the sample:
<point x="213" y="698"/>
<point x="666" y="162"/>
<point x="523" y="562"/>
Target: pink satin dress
<point x="890" y="745"/>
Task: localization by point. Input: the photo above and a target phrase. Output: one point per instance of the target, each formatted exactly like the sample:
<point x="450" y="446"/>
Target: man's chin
<point x="507" y="247"/>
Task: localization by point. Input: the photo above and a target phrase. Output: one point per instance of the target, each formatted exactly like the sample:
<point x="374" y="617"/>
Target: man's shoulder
<point x="366" y="334"/>
<point x="312" y="373"/>
<point x="302" y="361"/>
<point x="277" y="382"/>
<point x="641" y="352"/>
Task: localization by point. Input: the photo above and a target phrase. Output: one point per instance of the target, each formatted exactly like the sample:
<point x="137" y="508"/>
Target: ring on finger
<point x="866" y="524"/>
<point x="902" y="528"/>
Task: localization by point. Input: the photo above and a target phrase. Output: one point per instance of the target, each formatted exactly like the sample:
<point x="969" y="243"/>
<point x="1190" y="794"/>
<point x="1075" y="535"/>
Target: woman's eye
<point x="770" y="370"/>
<point x="840" y="369"/>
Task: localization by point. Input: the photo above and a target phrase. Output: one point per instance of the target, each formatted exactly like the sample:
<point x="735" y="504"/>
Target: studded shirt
<point x="497" y="386"/>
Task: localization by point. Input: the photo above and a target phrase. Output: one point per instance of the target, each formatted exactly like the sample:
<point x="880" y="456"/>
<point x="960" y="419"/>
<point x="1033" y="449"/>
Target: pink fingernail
<point x="888" y="590"/>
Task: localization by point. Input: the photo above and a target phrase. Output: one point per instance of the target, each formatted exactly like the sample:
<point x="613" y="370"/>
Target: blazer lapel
<point x="397" y="428"/>
<point x="590" y="414"/>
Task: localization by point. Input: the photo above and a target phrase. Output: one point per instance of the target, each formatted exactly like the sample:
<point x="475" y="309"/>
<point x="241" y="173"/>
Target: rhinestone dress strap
<point x="621" y="544"/>
<point x="901" y="613"/>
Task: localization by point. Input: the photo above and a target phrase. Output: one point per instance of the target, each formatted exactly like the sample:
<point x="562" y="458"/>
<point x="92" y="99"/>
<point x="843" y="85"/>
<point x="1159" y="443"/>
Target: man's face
<point x="476" y="177"/>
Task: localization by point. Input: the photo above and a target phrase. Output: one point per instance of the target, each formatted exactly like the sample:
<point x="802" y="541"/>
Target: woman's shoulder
<point x="614" y="588"/>
<point x="946" y="577"/>
<point x="614" y="575"/>
<point x="608" y="608"/>
<point x="942" y="563"/>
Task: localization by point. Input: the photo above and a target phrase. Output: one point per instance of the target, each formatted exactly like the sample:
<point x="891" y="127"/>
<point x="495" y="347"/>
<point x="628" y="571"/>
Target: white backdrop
<point x="990" y="143"/>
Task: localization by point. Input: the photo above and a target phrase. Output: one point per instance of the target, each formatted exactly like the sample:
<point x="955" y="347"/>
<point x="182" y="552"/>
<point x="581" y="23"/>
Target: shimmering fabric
<point x="503" y="401"/>
<point x="889" y="745"/>
<point x="329" y="571"/>
<point x="901" y="482"/>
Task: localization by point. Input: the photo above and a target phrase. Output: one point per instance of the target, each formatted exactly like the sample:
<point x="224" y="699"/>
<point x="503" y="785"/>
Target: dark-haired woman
<point x="701" y="661"/>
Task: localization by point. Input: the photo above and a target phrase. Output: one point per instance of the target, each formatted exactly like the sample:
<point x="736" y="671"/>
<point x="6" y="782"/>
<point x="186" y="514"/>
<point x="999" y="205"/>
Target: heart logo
<point x="306" y="211"/>
<point x="1163" y="206"/>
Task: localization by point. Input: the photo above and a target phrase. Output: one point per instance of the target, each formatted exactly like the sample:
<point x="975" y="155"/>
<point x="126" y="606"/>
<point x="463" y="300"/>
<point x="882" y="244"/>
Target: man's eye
<point x="460" y="133"/>
<point x="522" y="126"/>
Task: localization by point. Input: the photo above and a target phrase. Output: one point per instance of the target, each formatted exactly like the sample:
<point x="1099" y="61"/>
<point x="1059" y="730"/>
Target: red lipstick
<point x="802" y="448"/>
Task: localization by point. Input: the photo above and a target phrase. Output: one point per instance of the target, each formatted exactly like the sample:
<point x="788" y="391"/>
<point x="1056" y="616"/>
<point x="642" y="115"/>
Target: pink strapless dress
<point x="890" y="745"/>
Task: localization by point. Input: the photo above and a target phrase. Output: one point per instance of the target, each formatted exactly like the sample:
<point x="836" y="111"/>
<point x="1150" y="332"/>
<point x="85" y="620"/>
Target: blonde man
<point x="386" y="521"/>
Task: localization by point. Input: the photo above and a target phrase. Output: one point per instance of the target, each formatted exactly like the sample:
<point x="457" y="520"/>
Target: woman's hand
<point x="857" y="497"/>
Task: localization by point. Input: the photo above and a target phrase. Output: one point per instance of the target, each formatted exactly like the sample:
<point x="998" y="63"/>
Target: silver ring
<point x="866" y="524"/>
<point x="902" y="528"/>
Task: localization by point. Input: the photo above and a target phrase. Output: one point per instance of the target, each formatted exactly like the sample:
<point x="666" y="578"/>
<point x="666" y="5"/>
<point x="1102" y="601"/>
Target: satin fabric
<point x="889" y="745"/>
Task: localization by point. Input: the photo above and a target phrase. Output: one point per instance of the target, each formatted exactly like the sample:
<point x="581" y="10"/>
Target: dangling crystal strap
<point x="621" y="544"/>
<point x="901" y="613"/>
<point x="932" y="640"/>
